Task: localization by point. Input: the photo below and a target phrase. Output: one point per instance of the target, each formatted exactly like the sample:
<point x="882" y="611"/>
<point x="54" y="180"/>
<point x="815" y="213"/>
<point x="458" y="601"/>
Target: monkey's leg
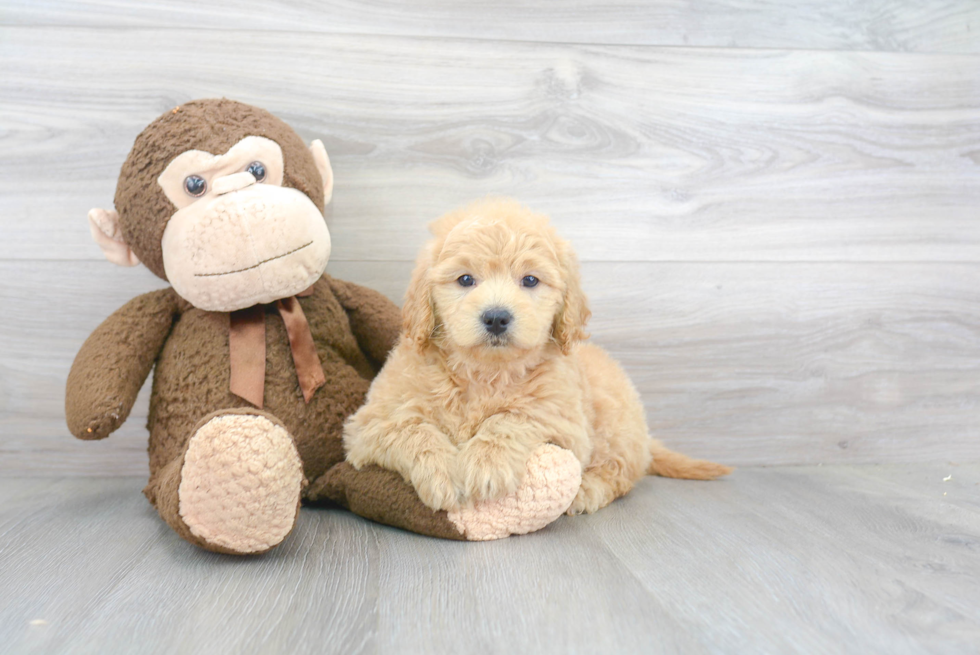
<point x="236" y="488"/>
<point x="552" y="480"/>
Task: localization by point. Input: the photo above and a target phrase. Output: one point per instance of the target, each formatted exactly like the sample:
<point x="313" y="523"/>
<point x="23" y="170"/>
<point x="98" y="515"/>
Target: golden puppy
<point x="492" y="364"/>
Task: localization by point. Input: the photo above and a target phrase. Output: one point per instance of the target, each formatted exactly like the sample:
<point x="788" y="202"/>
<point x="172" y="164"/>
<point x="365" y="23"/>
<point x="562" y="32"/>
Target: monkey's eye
<point x="195" y="185"/>
<point x="466" y="280"/>
<point x="257" y="169"/>
<point x="529" y="281"/>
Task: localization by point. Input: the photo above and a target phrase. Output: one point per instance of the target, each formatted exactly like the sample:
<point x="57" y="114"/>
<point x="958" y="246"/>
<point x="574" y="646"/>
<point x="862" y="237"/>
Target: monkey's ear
<point x="323" y="165"/>
<point x="105" y="230"/>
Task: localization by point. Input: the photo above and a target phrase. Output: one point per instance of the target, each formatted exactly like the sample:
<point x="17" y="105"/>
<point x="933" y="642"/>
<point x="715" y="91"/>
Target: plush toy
<point x="259" y="356"/>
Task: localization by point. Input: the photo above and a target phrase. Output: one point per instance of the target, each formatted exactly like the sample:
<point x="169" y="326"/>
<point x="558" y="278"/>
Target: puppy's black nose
<point x="496" y="320"/>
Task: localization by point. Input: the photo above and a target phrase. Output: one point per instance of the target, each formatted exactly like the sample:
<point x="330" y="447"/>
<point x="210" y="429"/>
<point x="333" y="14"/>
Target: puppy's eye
<point x="529" y="281"/>
<point x="466" y="280"/>
<point x="195" y="185"/>
<point x="257" y="169"/>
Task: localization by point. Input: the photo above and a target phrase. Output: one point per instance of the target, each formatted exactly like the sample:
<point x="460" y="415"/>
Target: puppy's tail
<point x="670" y="464"/>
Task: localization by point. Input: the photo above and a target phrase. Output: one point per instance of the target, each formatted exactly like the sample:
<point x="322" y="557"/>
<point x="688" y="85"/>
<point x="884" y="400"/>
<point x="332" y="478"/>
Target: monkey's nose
<point x="496" y="320"/>
<point x="233" y="182"/>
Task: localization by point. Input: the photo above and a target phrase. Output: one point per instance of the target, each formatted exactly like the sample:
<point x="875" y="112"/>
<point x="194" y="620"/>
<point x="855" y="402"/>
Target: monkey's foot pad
<point x="241" y="482"/>
<point x="553" y="478"/>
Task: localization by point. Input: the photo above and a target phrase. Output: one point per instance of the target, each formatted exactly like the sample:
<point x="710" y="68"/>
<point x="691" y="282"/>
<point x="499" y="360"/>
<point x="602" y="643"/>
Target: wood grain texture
<point x="774" y="363"/>
<point x="781" y="245"/>
<point x="899" y="25"/>
<point x="832" y="559"/>
<point x="639" y="153"/>
<point x="776" y="204"/>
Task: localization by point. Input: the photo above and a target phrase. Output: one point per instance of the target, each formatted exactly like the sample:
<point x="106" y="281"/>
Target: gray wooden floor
<point x="829" y="559"/>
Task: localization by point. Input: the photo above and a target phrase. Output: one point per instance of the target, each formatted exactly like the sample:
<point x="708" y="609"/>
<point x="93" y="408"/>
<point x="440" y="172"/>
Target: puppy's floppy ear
<point x="574" y="313"/>
<point x="418" y="318"/>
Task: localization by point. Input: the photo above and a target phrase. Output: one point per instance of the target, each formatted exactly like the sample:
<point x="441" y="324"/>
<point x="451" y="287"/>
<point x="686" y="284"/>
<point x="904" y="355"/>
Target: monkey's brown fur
<point x="353" y="329"/>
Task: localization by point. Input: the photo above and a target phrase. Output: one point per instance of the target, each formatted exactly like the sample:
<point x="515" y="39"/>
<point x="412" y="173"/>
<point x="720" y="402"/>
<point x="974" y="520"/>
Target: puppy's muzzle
<point x="496" y="320"/>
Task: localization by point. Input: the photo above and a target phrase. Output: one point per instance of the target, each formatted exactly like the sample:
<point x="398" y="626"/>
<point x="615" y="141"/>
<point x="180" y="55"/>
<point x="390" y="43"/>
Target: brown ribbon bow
<point x="246" y="338"/>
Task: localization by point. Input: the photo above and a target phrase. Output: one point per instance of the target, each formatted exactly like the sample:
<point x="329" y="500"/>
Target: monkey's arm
<point x="113" y="364"/>
<point x="375" y="320"/>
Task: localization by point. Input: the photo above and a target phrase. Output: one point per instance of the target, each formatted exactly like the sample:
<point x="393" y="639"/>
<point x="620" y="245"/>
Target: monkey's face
<point x="239" y="237"/>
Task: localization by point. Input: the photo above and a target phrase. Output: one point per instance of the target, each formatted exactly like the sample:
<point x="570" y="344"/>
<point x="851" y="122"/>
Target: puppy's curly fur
<point x="461" y="403"/>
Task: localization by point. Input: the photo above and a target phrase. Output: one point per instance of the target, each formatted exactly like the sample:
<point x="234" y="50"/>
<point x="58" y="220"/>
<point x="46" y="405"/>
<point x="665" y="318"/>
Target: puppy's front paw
<point x="553" y="476"/>
<point x="490" y="469"/>
<point x="434" y="482"/>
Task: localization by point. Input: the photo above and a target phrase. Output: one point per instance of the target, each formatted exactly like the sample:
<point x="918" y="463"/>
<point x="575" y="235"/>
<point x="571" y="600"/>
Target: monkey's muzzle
<point x="249" y="246"/>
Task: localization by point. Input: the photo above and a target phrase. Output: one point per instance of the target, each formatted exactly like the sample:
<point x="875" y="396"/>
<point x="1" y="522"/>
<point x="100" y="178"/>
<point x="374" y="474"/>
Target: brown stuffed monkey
<point x="259" y="356"/>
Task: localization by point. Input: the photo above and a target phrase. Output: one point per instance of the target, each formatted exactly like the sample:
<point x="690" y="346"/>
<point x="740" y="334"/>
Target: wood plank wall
<point x="777" y="205"/>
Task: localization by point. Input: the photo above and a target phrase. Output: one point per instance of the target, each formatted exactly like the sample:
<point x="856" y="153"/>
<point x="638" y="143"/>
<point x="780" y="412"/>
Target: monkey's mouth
<point x="264" y="261"/>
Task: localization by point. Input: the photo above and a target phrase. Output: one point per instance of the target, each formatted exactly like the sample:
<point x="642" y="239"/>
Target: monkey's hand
<point x="114" y="362"/>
